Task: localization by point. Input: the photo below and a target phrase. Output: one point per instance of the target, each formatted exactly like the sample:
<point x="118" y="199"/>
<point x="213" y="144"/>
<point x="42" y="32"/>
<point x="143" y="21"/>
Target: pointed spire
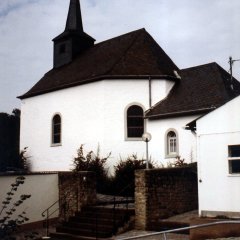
<point x="74" y="19"/>
<point x="73" y="41"/>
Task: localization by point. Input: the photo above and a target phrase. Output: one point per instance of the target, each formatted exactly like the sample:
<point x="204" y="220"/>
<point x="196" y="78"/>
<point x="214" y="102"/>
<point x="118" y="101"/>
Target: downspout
<point x="150" y="91"/>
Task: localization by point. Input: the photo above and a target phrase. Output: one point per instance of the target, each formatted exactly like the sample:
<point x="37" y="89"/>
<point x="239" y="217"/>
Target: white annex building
<point x="108" y="94"/>
<point x="219" y="165"/>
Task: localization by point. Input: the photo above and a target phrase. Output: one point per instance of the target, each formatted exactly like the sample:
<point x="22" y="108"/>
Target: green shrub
<point x="124" y="174"/>
<point x="24" y="164"/>
<point x="179" y="162"/>
<point x="95" y="163"/>
<point x="122" y="180"/>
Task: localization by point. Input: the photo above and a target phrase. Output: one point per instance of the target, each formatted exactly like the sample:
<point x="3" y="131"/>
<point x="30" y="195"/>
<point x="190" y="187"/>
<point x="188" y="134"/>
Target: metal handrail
<point x="115" y="201"/>
<point x="46" y="211"/>
<point x="181" y="229"/>
<point x="43" y="213"/>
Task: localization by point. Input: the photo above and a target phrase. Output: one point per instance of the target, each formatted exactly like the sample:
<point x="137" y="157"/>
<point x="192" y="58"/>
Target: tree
<point x="9" y="140"/>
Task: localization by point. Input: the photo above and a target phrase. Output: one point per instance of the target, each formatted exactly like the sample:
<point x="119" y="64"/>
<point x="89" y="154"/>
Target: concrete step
<point x="67" y="236"/>
<point x="84" y="232"/>
<point x="92" y="211"/>
<point x="93" y="222"/>
<point x="90" y="226"/>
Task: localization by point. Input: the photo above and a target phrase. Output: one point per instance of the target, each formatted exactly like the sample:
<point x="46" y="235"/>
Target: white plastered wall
<point x="218" y="190"/>
<point x="92" y="114"/>
<point x="186" y="139"/>
<point x="43" y="189"/>
<point x="81" y="112"/>
<point x="160" y="90"/>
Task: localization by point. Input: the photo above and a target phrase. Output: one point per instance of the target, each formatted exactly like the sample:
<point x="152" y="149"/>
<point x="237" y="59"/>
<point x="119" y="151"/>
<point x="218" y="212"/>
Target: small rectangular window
<point x="62" y="48"/>
<point x="234" y="159"/>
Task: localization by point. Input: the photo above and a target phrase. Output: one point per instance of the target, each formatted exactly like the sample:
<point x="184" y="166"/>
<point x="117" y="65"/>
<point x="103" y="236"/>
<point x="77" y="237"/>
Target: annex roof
<point x="132" y="55"/>
<point x="200" y="90"/>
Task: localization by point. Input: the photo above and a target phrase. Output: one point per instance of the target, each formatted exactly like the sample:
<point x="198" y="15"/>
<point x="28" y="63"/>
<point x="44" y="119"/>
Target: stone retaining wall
<point x="76" y="190"/>
<point x="162" y="193"/>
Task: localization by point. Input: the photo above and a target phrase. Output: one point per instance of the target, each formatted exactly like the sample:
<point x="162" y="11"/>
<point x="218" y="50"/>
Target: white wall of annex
<point x="218" y="190"/>
<point x="186" y="139"/>
<point x="223" y="119"/>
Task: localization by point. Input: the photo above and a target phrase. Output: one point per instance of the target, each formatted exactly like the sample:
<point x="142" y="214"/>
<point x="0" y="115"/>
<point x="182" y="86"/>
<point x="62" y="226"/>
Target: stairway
<point x="93" y="223"/>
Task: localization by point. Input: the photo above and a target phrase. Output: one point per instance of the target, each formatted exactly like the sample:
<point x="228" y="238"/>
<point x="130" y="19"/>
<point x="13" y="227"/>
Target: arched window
<point x="56" y="129"/>
<point x="135" y="121"/>
<point x="171" y="143"/>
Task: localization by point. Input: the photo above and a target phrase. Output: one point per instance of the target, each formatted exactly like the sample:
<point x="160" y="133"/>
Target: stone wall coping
<point x="5" y="174"/>
<point x="17" y="173"/>
<point x="169" y="169"/>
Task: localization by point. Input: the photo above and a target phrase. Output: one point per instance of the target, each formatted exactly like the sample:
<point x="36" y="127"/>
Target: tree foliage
<point x="124" y="174"/>
<point x="9" y="140"/>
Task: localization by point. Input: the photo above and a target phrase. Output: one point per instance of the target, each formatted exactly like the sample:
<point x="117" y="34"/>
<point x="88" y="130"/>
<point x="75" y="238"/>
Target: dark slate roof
<point x="200" y="90"/>
<point x="132" y="55"/>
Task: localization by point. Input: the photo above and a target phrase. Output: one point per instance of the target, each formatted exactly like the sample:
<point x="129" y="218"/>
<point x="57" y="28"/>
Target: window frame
<point x="169" y="154"/>
<point x="230" y="159"/>
<point x="55" y="144"/>
<point x="127" y="138"/>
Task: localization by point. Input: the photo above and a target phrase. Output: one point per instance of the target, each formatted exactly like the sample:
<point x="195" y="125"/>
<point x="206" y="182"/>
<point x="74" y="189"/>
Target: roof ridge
<point x="126" y="50"/>
<point x="122" y="35"/>
<point x="201" y="65"/>
<point x="159" y="48"/>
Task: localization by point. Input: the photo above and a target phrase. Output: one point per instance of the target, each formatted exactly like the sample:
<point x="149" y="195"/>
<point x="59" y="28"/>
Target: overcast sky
<point x="192" y="32"/>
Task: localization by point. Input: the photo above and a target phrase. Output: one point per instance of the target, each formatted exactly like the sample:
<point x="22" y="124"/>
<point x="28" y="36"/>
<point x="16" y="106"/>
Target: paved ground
<point x="157" y="237"/>
<point x="160" y="237"/>
<point x="41" y="233"/>
<point x="20" y="236"/>
<point x="184" y="218"/>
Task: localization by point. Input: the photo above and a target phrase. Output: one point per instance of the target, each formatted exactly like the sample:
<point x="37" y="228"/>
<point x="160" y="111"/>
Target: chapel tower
<point x="73" y="40"/>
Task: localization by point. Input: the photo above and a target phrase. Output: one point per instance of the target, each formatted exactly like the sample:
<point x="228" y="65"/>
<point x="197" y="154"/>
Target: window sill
<point x="133" y="139"/>
<point x="56" y="145"/>
<point x="172" y="156"/>
<point x="233" y="175"/>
